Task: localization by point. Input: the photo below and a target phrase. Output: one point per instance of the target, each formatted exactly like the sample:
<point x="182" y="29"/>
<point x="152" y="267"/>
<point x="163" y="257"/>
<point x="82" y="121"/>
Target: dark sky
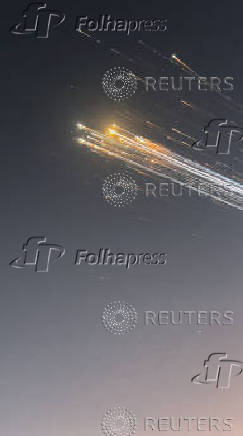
<point x="59" y="369"/>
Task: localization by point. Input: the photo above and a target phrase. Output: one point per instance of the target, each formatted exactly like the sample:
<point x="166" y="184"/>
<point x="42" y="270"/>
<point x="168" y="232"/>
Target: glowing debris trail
<point x="142" y="154"/>
<point x="183" y="65"/>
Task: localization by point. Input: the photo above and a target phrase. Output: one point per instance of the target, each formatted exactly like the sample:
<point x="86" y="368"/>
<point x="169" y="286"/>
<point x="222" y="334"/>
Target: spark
<point x="183" y="134"/>
<point x="174" y="58"/>
<point x="80" y="126"/>
<point x="112" y="131"/>
<point x="171" y="138"/>
<point x="187" y="104"/>
<point x="154" y="158"/>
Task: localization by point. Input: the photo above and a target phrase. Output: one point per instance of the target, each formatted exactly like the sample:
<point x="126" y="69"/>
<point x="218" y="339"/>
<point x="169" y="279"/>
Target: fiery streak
<point x="186" y="103"/>
<point x="142" y="154"/>
<point x="178" y="61"/>
<point x="183" y="134"/>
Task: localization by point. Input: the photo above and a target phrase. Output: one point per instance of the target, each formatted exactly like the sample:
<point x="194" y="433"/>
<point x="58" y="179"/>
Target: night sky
<point x="60" y="370"/>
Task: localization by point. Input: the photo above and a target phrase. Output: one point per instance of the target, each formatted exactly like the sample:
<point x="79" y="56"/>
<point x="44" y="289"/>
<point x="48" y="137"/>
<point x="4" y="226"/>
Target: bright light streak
<point x="142" y="154"/>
